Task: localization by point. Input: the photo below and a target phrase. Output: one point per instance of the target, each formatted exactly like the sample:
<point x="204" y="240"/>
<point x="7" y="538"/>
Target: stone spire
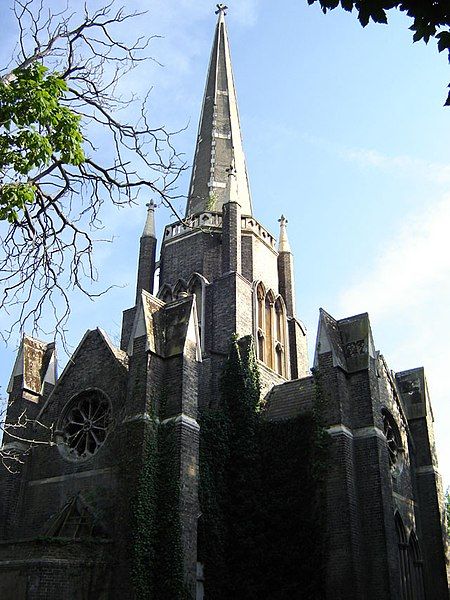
<point x="219" y="142"/>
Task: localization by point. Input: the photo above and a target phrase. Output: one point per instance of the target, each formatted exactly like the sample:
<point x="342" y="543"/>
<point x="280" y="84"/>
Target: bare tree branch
<point x="20" y="437"/>
<point x="49" y="249"/>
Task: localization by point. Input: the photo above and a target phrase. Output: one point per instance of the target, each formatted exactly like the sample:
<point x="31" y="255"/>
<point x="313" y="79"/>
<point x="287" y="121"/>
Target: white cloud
<point x="410" y="269"/>
<point x="407" y="294"/>
<point x="402" y="165"/>
<point x="405" y="165"/>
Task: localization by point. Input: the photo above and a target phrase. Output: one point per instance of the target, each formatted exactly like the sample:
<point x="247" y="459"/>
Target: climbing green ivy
<point x="157" y="560"/>
<point x="144" y="519"/>
<point x="261" y="533"/>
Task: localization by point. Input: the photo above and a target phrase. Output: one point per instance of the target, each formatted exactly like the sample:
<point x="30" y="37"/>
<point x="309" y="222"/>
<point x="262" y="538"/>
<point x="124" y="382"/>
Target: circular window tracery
<point x="393" y="439"/>
<point x="85" y="424"/>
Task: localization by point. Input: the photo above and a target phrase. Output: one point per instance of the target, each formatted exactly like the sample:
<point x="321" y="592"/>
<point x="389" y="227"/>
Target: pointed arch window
<point x="415" y="559"/>
<point x="410" y="563"/>
<point x="180" y="289"/>
<point x="280" y="321"/>
<point x="165" y="293"/>
<point x="260" y="299"/>
<point x="268" y="305"/>
<point x="270" y="329"/>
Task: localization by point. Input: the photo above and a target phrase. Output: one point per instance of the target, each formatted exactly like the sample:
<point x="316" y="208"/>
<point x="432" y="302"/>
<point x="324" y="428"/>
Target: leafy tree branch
<point x="58" y="97"/>
<point x="431" y="18"/>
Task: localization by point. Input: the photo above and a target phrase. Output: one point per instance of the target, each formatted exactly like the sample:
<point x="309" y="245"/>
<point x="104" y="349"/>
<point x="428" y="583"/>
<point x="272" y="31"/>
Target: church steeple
<point x="219" y="143"/>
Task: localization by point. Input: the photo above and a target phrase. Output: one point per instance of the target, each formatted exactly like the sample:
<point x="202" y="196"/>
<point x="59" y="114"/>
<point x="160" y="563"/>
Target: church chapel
<point x="204" y="459"/>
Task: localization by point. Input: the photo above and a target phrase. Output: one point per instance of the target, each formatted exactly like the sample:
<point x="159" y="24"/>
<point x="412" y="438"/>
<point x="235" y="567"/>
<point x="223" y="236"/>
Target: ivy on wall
<point x="261" y="488"/>
<point x="157" y="561"/>
<point x="143" y="523"/>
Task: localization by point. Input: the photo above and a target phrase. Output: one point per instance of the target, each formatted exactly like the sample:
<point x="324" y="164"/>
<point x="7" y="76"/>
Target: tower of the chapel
<point x="243" y="282"/>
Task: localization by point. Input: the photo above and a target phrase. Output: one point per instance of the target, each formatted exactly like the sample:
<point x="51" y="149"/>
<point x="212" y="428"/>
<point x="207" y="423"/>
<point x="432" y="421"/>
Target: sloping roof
<point x="120" y="356"/>
<point x="290" y="399"/>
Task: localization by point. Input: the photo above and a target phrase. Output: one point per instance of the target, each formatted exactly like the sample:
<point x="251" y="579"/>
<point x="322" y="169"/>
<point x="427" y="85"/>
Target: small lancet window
<point x="279" y="321"/>
<point x="167" y="295"/>
<point x="410" y="563"/>
<point x="280" y="359"/>
<point x="269" y="331"/>
<point x="261" y="343"/>
<point x="180" y="289"/>
<point x="260" y="294"/>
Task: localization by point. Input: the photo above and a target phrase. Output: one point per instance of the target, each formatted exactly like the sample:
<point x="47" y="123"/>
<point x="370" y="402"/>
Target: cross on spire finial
<point x="283" y="242"/>
<point x="221" y="8"/>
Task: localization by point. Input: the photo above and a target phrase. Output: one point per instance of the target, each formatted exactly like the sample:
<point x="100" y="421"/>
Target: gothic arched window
<point x="416" y="566"/>
<point x="270" y="329"/>
<point x="402" y="556"/>
<point x="410" y="563"/>
<point x="269" y="349"/>
<point x="260" y="330"/>
<point x="280" y="320"/>
<point x="165" y="293"/>
<point x="179" y="289"/>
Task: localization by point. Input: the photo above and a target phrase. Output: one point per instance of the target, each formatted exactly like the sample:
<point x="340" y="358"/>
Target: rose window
<point x="393" y="439"/>
<point x="85" y="424"/>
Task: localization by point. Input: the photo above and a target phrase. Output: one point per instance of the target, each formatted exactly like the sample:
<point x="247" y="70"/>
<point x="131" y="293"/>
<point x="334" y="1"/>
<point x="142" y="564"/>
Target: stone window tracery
<point x="280" y="321"/>
<point x="85" y="424"/>
<point x="393" y="438"/>
<point x="270" y="326"/>
<point x="268" y="304"/>
<point x="410" y="563"/>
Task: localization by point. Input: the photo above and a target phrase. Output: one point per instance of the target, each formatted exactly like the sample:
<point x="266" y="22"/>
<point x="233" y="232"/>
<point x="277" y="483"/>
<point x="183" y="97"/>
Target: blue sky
<point x="345" y="133"/>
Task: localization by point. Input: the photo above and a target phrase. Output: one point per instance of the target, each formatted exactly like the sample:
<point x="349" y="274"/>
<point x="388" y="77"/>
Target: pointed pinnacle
<point x="149" y="228"/>
<point x="283" y="243"/>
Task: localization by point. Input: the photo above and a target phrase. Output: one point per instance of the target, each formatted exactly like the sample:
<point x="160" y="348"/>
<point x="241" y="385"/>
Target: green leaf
<point x="34" y="126"/>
